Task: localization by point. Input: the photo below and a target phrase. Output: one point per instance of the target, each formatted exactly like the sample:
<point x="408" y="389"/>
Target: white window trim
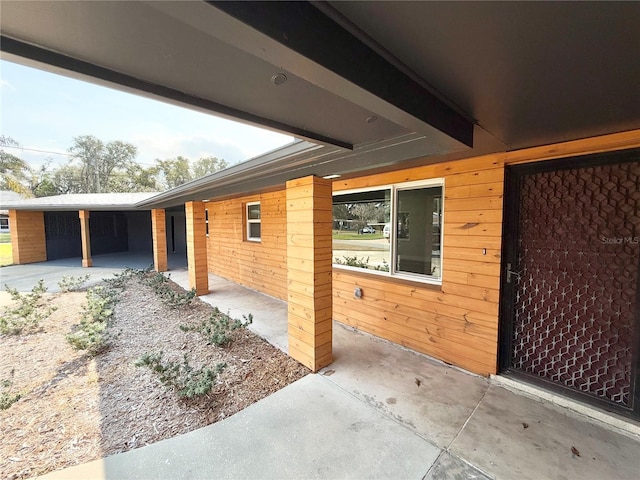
<point x="253" y="220"/>
<point x="393" y="273"/>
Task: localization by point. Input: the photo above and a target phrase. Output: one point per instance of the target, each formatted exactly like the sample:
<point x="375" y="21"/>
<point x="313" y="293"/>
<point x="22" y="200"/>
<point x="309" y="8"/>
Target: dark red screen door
<point x="571" y="277"/>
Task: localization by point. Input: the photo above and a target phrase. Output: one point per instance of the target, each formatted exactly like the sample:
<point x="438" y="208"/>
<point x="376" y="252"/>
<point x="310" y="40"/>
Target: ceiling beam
<point x="304" y="29"/>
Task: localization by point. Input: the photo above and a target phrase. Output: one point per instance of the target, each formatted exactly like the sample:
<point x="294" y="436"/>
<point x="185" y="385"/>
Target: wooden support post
<point x="309" y="250"/>
<point x="159" y="233"/>
<point x="197" y="247"/>
<point x="28" y="241"/>
<point x="86" y="238"/>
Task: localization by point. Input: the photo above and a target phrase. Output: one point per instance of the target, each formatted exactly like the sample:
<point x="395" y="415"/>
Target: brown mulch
<point x="75" y="408"/>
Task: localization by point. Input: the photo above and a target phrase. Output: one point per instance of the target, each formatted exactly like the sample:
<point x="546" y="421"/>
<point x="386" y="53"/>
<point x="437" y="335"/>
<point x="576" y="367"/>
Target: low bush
<point x="69" y="283"/>
<point x="27" y="312"/>
<point x="6" y="397"/>
<point x="180" y="376"/>
<point x="167" y="295"/>
<point x="90" y="334"/>
<point x="217" y="327"/>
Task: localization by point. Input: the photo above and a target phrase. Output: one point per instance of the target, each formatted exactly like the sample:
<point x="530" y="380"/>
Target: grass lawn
<point x="337" y="235"/>
<point x="5" y="254"/>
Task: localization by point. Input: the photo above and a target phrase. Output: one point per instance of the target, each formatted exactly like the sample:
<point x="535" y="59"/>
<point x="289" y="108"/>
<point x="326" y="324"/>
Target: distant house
<point x="501" y="141"/>
<point x="7" y="196"/>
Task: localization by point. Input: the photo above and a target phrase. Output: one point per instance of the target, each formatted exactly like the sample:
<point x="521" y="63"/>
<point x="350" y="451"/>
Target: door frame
<point x="512" y="184"/>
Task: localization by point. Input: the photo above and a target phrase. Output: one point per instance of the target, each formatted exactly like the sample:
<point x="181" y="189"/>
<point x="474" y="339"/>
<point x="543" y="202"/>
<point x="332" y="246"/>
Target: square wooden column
<point x="159" y="233"/>
<point x="197" y="247"/>
<point x="86" y="238"/>
<point x="28" y="241"/>
<point x="309" y="251"/>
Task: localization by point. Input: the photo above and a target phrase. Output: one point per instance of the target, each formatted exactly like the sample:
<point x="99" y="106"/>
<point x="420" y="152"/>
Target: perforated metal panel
<point x="578" y="254"/>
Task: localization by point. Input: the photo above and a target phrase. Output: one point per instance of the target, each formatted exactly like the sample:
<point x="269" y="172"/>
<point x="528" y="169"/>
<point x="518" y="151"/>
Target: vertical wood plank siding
<point x="260" y="265"/>
<point x="28" y="241"/>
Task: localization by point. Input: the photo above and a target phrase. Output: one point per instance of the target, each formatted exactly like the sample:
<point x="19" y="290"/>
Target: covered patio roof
<point x="80" y="201"/>
<point x="375" y="84"/>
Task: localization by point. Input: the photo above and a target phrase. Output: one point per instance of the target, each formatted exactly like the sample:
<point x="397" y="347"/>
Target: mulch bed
<point x="76" y="408"/>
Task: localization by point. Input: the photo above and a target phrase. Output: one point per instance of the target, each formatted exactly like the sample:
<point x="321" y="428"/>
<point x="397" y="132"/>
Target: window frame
<point x="394" y="188"/>
<point x="250" y="221"/>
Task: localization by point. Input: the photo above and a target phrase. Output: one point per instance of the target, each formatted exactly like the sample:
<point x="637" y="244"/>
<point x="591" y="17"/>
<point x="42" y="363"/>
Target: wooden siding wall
<point x="258" y="265"/>
<point x="458" y="321"/>
<point x="28" y="239"/>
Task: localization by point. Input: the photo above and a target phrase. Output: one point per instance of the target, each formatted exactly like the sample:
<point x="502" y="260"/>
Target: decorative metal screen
<point x="578" y="260"/>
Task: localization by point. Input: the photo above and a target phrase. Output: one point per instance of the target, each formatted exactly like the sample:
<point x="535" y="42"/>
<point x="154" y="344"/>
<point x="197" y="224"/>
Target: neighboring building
<point x="513" y="206"/>
<point x="6" y="196"/>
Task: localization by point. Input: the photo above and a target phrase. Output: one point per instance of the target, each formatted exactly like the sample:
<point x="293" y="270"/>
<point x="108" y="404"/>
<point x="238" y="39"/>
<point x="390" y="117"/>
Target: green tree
<point x="136" y="179"/>
<point x="99" y="161"/>
<point x="175" y="171"/>
<point x="42" y="182"/>
<point x="207" y="165"/>
<point x="68" y="179"/>
<point x="180" y="170"/>
<point x="15" y="173"/>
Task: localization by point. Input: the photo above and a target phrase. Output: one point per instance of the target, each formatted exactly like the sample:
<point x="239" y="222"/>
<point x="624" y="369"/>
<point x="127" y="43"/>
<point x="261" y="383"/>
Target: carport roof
<point x="80" y="201"/>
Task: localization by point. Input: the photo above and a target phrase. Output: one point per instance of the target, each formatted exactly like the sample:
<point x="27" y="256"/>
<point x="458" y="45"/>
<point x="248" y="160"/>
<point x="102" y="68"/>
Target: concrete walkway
<point x="380" y="411"/>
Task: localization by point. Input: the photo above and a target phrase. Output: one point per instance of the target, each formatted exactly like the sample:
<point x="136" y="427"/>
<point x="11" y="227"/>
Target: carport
<point x="82" y="226"/>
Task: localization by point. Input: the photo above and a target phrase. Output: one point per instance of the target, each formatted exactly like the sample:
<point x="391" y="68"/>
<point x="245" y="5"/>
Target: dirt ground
<point x="75" y="408"/>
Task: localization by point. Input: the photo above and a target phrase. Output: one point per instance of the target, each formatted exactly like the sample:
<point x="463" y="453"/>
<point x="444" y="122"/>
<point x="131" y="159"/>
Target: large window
<point x="253" y="221"/>
<point x="394" y="230"/>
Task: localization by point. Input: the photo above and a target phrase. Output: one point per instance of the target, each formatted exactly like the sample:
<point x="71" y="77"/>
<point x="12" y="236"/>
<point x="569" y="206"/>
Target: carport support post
<point x="309" y="222"/>
<point x="159" y="233"/>
<point x="197" y="247"/>
<point x="86" y="238"/>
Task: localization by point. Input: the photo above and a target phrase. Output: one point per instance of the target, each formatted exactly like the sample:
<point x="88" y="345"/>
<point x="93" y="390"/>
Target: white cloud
<point x="164" y="144"/>
<point x="4" y="83"/>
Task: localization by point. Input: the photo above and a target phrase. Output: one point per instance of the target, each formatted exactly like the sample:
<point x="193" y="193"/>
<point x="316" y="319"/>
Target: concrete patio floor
<point x="380" y="411"/>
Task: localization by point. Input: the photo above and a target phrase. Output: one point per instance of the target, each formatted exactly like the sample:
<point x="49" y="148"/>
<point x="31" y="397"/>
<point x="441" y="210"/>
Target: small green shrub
<point x="69" y="283"/>
<point x="180" y="376"/>
<point x="6" y="397"/>
<point x="120" y="280"/>
<point x="382" y="268"/>
<point x="27" y="313"/>
<point x="353" y="261"/>
<point x="363" y="262"/>
<point x="167" y="295"/>
<point x="218" y="326"/>
<point x="90" y="334"/>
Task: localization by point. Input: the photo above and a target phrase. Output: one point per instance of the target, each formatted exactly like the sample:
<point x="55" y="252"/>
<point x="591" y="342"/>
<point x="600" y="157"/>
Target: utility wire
<point x="61" y="153"/>
<point x="37" y="150"/>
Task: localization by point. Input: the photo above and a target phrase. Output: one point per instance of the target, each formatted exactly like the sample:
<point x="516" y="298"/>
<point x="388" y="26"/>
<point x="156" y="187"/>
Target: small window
<point x="206" y="221"/>
<point x="253" y="221"/>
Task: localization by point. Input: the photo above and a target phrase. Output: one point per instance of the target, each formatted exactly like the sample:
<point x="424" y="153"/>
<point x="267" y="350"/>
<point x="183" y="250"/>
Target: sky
<point x="45" y="111"/>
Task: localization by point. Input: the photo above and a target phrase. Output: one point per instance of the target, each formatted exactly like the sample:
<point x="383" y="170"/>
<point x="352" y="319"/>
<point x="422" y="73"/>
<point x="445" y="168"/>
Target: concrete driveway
<point x="24" y="277"/>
